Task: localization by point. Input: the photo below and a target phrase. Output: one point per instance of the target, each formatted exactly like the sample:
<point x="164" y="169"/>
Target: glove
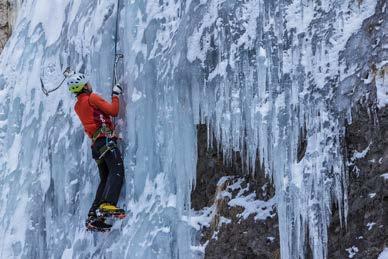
<point x="117" y="90"/>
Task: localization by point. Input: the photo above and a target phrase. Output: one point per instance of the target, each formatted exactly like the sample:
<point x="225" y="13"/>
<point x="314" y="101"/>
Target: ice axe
<point x="117" y="59"/>
<point x="118" y="56"/>
<point x="68" y="72"/>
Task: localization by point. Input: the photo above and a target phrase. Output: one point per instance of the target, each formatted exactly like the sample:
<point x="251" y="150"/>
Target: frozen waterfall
<point x="262" y="74"/>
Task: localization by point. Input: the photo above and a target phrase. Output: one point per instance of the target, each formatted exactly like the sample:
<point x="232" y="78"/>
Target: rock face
<point x="234" y="231"/>
<point x="366" y="146"/>
<point x="5" y="29"/>
<point x="366" y="230"/>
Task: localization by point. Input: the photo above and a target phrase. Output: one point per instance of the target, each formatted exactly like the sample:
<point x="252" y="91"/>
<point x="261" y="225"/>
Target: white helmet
<point x="76" y="82"/>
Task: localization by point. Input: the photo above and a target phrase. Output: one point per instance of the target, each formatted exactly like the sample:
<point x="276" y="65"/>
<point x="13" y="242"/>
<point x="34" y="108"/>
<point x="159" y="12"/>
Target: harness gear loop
<point x="110" y="145"/>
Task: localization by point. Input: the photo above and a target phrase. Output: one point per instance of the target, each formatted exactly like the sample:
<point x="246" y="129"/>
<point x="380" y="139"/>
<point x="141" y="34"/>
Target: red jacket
<point x="94" y="112"/>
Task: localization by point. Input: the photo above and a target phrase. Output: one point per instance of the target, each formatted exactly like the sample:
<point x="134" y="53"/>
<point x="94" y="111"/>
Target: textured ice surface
<point x="259" y="73"/>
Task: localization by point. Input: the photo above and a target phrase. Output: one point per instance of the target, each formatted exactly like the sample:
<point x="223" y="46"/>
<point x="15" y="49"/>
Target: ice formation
<point x="262" y="74"/>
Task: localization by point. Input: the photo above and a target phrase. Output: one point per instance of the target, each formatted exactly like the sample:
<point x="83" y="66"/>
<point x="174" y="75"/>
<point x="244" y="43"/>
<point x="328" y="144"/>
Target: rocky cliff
<point x="242" y="218"/>
<point x="8" y="13"/>
<point x="5" y="29"/>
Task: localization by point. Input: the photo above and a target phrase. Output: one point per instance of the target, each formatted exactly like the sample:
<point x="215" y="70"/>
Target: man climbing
<point x="94" y="113"/>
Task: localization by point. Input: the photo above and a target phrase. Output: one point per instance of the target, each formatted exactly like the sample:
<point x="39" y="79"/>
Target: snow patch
<point x="385" y="176"/>
<point x="271" y="239"/>
<point x="384" y="254"/>
<point x="372" y="195"/>
<point x="200" y="219"/>
<point x="262" y="209"/>
<point x="352" y="251"/>
<point x="370" y="225"/>
<point x="360" y="154"/>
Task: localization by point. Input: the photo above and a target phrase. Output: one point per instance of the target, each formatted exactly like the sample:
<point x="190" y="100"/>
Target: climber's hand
<point x="117" y="90"/>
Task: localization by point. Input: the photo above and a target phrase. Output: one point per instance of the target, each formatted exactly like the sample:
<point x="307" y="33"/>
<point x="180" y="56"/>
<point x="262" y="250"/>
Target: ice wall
<point x="259" y="73"/>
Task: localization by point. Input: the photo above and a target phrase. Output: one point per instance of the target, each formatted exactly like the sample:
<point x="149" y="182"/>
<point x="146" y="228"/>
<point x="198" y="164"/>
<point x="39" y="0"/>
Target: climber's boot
<point x="107" y="209"/>
<point x="95" y="223"/>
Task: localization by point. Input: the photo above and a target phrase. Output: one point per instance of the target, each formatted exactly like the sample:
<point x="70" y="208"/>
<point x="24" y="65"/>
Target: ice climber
<point x="95" y="115"/>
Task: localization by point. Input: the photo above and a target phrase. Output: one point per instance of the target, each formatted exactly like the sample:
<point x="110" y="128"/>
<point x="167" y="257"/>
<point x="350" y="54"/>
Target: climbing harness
<point x="103" y="130"/>
<point x="109" y="143"/>
<point x="67" y="73"/>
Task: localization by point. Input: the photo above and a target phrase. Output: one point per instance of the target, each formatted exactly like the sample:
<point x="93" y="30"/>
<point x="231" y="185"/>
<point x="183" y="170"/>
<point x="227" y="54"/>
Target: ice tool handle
<point x="117" y="59"/>
<point x="68" y="72"/>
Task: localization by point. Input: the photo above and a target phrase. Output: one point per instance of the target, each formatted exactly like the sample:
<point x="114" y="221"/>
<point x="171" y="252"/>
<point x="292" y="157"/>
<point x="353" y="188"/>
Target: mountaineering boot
<point x="107" y="209"/>
<point x="94" y="223"/>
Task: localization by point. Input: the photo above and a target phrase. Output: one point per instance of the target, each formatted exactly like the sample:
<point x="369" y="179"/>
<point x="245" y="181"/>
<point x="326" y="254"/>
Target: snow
<point x="201" y="219"/>
<point x="352" y="251"/>
<point x="361" y="154"/>
<point x="271" y="239"/>
<point x="224" y="220"/>
<point x="370" y="225"/>
<point x="384" y="254"/>
<point x="261" y="209"/>
<point x="385" y="176"/>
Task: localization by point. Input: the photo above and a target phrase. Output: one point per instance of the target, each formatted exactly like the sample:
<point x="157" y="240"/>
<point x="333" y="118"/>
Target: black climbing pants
<point x="111" y="170"/>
